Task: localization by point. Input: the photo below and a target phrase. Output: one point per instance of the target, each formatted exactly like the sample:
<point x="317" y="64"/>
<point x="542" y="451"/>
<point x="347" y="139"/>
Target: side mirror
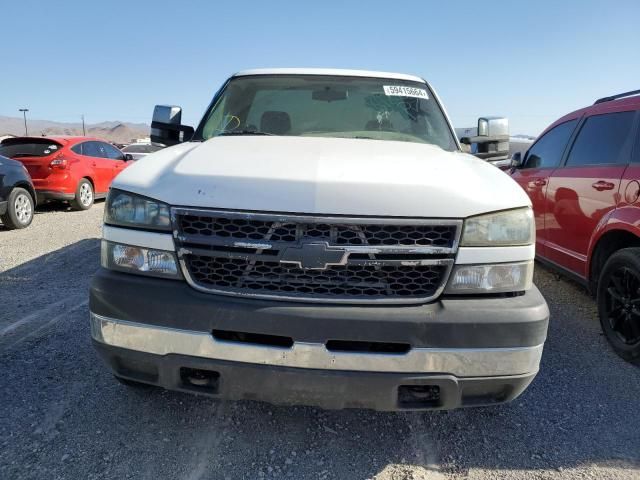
<point x="491" y="139"/>
<point x="516" y="161"/>
<point x="127" y="157"/>
<point x="493" y="127"/>
<point x="166" y="127"/>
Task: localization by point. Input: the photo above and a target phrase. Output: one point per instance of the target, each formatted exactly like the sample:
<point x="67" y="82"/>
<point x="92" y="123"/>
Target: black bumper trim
<point x="298" y="386"/>
<point x="448" y="323"/>
<point x="44" y="195"/>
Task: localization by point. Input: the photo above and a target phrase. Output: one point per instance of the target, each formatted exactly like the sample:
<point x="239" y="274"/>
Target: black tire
<point x="20" y="208"/>
<point x="133" y="384"/>
<point x="85" y="196"/>
<point x="619" y="303"/>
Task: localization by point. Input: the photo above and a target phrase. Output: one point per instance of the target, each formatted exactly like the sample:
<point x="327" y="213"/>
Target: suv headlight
<point x="127" y="209"/>
<point x="500" y="229"/>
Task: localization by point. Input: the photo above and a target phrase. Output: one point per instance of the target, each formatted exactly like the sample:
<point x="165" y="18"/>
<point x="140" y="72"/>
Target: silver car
<point x="141" y="150"/>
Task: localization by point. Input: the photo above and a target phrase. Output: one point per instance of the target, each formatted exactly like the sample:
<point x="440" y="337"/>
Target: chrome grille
<point x="359" y="260"/>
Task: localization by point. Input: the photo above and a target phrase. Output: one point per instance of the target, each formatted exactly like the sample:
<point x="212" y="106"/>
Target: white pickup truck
<point x="319" y="239"/>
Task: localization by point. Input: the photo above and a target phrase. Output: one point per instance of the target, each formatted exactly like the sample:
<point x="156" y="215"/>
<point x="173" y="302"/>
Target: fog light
<point x="504" y="277"/>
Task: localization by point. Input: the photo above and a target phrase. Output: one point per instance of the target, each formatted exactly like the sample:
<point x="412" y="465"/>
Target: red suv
<point x="582" y="175"/>
<point x="73" y="169"/>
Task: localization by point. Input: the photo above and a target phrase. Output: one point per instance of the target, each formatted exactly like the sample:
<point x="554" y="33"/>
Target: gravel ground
<point x="63" y="416"/>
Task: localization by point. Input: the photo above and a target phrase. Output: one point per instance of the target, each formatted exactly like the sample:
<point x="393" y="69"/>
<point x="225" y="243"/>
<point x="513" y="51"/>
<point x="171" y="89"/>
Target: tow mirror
<point x="491" y="139"/>
<point x="166" y="126"/>
<point x="516" y="160"/>
<point x="493" y="127"/>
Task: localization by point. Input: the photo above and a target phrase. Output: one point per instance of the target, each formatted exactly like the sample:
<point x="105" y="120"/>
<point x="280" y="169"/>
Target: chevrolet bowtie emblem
<point x="314" y="256"/>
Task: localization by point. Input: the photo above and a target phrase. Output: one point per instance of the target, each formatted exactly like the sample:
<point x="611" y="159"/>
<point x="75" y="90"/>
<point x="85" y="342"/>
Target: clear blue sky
<point x="113" y="60"/>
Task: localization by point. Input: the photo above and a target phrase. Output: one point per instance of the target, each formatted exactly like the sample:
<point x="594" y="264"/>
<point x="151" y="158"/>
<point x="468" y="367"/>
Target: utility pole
<point x="83" y="130"/>
<point x="24" y="113"/>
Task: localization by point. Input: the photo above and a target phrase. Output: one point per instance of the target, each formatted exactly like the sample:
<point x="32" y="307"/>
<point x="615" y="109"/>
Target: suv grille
<point x="326" y="259"/>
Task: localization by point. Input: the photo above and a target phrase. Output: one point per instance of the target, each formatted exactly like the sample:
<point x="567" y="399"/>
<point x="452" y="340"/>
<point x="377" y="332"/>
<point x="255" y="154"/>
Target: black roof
<point x="615" y="97"/>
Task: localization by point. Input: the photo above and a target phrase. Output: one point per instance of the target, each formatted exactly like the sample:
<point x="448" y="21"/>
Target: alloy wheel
<point x="86" y="195"/>
<point x="23" y="209"/>
<point x="623" y="304"/>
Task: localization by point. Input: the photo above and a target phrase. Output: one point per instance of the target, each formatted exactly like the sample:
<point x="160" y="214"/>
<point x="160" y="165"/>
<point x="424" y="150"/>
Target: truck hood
<point x="323" y="176"/>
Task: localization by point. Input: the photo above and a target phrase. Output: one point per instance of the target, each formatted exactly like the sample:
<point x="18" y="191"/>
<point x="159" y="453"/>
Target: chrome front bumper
<point x="460" y="362"/>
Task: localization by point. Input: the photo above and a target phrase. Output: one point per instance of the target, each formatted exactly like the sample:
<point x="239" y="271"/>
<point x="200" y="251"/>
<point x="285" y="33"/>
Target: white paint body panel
<point x="138" y="238"/>
<point x="323" y="176"/>
<point x="474" y="255"/>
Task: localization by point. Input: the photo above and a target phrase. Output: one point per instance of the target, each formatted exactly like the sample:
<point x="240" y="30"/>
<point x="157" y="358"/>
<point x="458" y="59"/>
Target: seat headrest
<point x="275" y="122"/>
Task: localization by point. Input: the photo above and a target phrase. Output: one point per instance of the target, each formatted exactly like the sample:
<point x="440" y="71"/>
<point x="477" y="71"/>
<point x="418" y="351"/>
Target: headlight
<point x="508" y="228"/>
<point x="144" y="261"/>
<point x="130" y="210"/>
<point x="498" y="278"/>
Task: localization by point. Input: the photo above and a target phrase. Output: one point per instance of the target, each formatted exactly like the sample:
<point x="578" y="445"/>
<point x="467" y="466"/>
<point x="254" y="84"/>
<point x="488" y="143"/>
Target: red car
<point x="582" y="175"/>
<point x="73" y="169"/>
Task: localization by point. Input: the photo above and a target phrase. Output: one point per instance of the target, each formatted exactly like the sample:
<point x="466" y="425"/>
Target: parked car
<point x="582" y="175"/>
<point x="319" y="239"/>
<point x="141" y="150"/>
<point x="17" y="195"/>
<point x="73" y="169"/>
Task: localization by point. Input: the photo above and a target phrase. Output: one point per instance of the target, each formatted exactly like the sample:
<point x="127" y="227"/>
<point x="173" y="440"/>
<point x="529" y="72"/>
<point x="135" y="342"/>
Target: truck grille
<point x="376" y="234"/>
<point x="319" y="259"/>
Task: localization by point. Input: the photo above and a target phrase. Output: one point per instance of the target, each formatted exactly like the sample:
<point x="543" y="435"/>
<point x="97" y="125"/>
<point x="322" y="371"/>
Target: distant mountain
<point x="120" y="132"/>
<point x="526" y="137"/>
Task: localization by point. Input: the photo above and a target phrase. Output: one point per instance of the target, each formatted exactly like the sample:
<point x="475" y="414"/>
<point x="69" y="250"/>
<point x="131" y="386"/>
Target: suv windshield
<point x="328" y="106"/>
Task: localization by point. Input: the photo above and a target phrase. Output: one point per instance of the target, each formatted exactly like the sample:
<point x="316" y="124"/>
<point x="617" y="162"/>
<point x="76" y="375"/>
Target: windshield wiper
<point x="245" y="132"/>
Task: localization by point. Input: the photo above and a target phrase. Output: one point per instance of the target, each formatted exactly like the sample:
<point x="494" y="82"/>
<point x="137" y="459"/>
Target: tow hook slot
<point x="419" y="396"/>
<point x="197" y="379"/>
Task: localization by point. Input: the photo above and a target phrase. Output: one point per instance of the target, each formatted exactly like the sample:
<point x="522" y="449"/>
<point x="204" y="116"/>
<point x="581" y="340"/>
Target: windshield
<point x="328" y="106"/>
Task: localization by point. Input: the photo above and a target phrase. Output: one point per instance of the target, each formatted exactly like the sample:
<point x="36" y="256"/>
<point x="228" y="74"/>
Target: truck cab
<point x="320" y="239"/>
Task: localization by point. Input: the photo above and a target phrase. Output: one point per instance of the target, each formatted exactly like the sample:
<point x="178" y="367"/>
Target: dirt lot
<point x="63" y="415"/>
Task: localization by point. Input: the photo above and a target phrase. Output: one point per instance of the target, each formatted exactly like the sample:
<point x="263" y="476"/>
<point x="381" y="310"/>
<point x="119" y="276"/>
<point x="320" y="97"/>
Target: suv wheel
<point x="619" y="303"/>
<point x="84" y="196"/>
<point x="19" y="212"/>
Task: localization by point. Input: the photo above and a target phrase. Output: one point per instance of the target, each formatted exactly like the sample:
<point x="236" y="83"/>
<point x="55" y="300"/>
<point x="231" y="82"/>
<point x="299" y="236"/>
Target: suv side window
<point x="112" y="152"/>
<point x="603" y="139"/>
<point x="547" y="151"/>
